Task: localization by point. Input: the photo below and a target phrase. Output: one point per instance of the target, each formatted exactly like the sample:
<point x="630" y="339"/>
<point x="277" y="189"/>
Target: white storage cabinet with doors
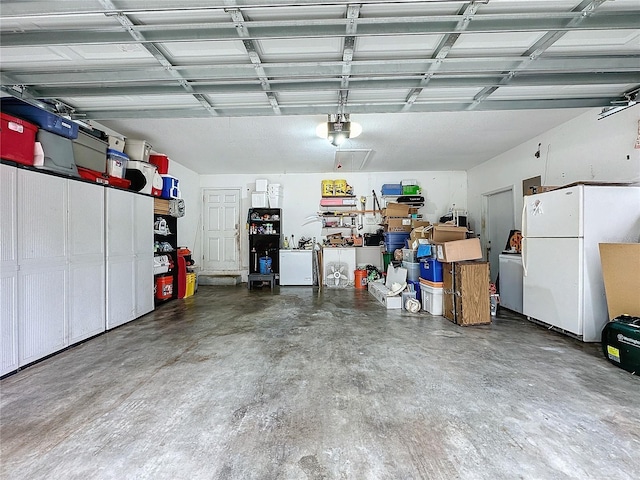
<point x="53" y="291"/>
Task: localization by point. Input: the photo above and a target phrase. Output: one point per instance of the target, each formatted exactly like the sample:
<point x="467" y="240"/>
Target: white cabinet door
<point x="120" y="258"/>
<point x="8" y="321"/>
<point x="143" y="246"/>
<point x="120" y="291"/>
<point x="8" y="270"/>
<point x="144" y="285"/>
<point x="119" y="221"/>
<point x="42" y="312"/>
<point x="42" y="257"/>
<point x="86" y="261"/>
<point x="42" y="219"/>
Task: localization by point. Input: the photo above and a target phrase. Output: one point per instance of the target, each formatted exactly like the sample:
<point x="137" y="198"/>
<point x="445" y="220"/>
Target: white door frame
<point x="238" y="236"/>
<point x="484" y="235"/>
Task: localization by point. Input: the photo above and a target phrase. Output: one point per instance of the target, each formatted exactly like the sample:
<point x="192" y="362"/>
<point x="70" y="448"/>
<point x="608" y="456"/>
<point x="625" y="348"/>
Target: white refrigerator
<point x="562" y="228"/>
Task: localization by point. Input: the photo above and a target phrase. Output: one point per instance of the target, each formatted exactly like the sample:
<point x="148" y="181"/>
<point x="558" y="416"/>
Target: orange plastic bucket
<point x="361" y="278"/>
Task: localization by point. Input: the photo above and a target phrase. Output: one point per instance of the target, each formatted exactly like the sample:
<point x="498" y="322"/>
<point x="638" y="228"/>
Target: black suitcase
<point x="621" y="342"/>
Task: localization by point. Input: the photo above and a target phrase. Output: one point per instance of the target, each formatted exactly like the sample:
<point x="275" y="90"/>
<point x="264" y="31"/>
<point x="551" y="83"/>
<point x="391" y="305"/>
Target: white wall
<point x="583" y="149"/>
<point x="302" y="193"/>
<point x="188" y="226"/>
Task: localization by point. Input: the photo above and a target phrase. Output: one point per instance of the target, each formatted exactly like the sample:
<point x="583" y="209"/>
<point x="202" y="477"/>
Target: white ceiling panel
<point x="480" y="44"/>
<point x="19" y="58"/>
<point x="220" y="51"/>
<point x="528" y="6"/>
<point x="448" y="94"/>
<point x="398" y="46"/>
<point x="240" y="100"/>
<point x="288" y="12"/>
<point x="301" y="98"/>
<point x="620" y="41"/>
<point x="301" y="49"/>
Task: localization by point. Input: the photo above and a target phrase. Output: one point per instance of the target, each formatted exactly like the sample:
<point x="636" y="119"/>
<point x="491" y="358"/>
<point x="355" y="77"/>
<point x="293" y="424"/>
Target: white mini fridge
<point x="296" y="267"/>
<point x="562" y="228"/>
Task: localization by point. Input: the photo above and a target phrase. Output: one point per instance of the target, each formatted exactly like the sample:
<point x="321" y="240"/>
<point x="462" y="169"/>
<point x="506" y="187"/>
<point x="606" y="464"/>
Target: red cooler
<point x="161" y="161"/>
<point x="17" y="139"/>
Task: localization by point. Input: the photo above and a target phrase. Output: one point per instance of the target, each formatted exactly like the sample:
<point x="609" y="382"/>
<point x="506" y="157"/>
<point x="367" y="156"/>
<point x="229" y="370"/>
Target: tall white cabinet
<point x="129" y="256"/>
<point x="76" y="259"/>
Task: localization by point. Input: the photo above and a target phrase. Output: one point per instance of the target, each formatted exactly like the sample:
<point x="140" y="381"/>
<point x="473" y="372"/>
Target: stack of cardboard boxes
<point x="465" y="282"/>
<point x="400" y="217"/>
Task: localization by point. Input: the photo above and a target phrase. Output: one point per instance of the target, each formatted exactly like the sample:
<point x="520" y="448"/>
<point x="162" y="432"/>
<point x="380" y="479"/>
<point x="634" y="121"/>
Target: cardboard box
<point x="621" y="274"/>
<point x="459" y="250"/>
<point x="397" y="224"/>
<point x="447" y="233"/>
<point x="396" y="210"/>
<point x="419" y="223"/>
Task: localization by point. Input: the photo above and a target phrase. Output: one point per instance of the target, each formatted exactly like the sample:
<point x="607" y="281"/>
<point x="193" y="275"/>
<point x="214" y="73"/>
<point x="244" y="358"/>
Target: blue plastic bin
<point x="42" y="118"/>
<point x="392" y="189"/>
<point x="431" y="269"/>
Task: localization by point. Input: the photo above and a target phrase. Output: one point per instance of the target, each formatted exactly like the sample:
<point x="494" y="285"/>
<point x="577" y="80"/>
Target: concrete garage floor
<point x="232" y="384"/>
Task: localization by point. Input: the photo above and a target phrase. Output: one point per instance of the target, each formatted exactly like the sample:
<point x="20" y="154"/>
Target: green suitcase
<point x="621" y="342"/>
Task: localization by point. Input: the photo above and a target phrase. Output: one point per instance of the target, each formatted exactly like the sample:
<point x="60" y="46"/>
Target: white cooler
<point x="144" y="177"/>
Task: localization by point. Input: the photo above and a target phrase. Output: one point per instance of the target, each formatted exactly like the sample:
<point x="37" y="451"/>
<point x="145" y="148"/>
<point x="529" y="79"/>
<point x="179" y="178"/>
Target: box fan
<point x="337" y="275"/>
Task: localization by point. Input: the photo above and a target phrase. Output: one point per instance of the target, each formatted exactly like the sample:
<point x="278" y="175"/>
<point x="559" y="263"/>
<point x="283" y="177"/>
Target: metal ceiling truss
<point x="464" y="80"/>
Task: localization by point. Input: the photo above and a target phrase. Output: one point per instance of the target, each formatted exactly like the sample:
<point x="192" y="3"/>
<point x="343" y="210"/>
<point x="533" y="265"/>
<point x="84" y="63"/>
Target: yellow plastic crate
<point x="191" y="285"/>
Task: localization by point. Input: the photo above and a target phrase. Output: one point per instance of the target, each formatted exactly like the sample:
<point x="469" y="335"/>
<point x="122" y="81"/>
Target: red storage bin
<point x="119" y="182"/>
<point x="101" y="177"/>
<point x="17" y="139"/>
<point x="161" y="161"/>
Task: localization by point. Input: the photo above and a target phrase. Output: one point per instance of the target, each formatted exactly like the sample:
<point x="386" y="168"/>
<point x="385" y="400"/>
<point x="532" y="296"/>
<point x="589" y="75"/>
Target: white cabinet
<point x="129" y="259"/>
<point x="42" y="261"/>
<point x="53" y="255"/>
<point x="8" y="270"/>
<point x="86" y="260"/>
<point x="338" y="261"/>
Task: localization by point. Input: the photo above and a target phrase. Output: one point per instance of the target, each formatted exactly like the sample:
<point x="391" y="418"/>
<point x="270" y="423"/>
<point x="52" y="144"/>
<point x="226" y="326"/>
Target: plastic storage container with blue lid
<point x="42" y="118"/>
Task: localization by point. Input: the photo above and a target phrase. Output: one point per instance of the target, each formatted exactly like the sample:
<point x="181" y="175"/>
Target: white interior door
<point x="221" y="224"/>
<point x="500" y="221"/>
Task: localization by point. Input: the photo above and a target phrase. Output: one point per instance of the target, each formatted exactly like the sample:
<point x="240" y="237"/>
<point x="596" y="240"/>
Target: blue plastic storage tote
<point x="391" y="189"/>
<point x="431" y="269"/>
<point x="42" y="118"/>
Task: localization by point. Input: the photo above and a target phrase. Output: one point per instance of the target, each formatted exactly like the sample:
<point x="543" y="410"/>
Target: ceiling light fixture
<point x="338" y="128"/>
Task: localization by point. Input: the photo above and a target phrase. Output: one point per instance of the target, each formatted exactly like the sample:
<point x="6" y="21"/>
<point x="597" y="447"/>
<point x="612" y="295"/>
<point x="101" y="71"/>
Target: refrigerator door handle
<point x="524" y="236"/>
